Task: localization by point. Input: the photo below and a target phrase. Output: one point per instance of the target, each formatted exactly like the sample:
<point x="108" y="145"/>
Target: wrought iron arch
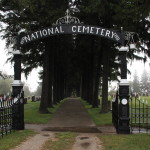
<point x="70" y="25"/>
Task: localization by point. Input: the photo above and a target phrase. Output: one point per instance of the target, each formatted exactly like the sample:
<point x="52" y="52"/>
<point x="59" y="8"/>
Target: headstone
<point x="33" y="98"/>
<point x="25" y="100"/>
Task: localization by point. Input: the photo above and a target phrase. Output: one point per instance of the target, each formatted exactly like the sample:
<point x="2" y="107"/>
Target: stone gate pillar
<point x="123" y="124"/>
<point x="17" y="92"/>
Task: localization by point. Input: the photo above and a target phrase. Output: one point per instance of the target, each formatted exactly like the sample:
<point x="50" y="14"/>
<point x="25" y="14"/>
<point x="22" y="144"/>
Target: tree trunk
<point x="45" y="83"/>
<point x="51" y="73"/>
<point x="104" y="108"/>
<point x="95" y="82"/>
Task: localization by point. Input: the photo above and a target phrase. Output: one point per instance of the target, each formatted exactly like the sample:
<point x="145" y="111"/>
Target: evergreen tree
<point x="145" y="82"/>
<point x="38" y="90"/>
<point x="56" y="55"/>
<point x="5" y="84"/>
<point x="136" y="83"/>
<point x="26" y="90"/>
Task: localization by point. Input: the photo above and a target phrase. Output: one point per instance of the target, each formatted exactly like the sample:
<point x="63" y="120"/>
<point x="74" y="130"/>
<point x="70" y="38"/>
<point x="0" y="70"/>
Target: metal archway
<point x="72" y="25"/>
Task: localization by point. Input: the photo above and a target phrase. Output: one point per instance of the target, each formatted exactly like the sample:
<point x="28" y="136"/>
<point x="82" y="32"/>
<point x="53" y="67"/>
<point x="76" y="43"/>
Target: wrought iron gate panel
<point x="8" y="113"/>
<point x="140" y="116"/>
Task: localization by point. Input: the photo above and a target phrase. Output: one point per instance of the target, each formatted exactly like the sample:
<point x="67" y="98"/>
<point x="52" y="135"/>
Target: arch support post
<point x="124" y="120"/>
<point x="17" y="92"/>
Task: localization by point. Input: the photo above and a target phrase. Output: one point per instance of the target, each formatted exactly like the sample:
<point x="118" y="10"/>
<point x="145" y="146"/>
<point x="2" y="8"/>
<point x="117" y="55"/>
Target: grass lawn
<point x="32" y="115"/>
<point x="145" y="98"/>
<point x="14" y="139"/>
<point x="63" y="141"/>
<point x="144" y="101"/>
<point x="100" y="119"/>
<point x="126" y="142"/>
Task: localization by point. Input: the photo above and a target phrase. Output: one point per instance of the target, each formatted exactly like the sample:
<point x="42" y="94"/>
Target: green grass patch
<point x="139" y="102"/>
<point x="125" y="142"/>
<point x="14" y="139"/>
<point x="100" y="119"/>
<point x="62" y="141"/>
<point x="145" y="98"/>
<point x="32" y="115"/>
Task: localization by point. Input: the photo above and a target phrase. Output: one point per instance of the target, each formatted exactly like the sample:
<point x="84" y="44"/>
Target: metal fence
<point x="8" y="113"/>
<point x="139" y="116"/>
<point x="115" y="111"/>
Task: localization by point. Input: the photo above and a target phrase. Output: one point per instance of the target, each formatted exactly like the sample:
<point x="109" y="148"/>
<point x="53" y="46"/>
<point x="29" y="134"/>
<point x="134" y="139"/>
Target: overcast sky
<point x="32" y="80"/>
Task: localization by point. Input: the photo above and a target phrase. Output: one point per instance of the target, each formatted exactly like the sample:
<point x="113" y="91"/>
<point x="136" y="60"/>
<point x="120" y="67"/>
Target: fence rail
<point x="140" y="116"/>
<point x="8" y="113"/>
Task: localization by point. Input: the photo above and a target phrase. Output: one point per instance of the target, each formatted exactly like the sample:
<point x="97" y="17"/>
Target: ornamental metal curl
<point x="131" y="37"/>
<point x="68" y="19"/>
<point x="128" y="35"/>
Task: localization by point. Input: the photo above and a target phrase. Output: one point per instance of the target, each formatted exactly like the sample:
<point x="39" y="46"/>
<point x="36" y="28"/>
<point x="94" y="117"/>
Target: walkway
<point x="71" y="116"/>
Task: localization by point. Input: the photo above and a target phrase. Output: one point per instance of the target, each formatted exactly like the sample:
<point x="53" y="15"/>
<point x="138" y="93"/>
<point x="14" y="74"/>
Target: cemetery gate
<point x="72" y="25"/>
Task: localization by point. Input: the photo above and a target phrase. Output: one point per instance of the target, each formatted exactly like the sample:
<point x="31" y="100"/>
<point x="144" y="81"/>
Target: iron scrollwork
<point x="131" y="37"/>
<point x="68" y="19"/>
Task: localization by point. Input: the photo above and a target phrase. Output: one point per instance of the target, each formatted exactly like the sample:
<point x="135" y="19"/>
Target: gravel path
<point x="71" y="116"/>
<point x="35" y="142"/>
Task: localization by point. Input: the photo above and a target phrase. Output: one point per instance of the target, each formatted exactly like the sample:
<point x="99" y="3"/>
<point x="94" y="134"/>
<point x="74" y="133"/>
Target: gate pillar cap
<point x="124" y="49"/>
<point x="17" y="83"/>
<point x="124" y="82"/>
